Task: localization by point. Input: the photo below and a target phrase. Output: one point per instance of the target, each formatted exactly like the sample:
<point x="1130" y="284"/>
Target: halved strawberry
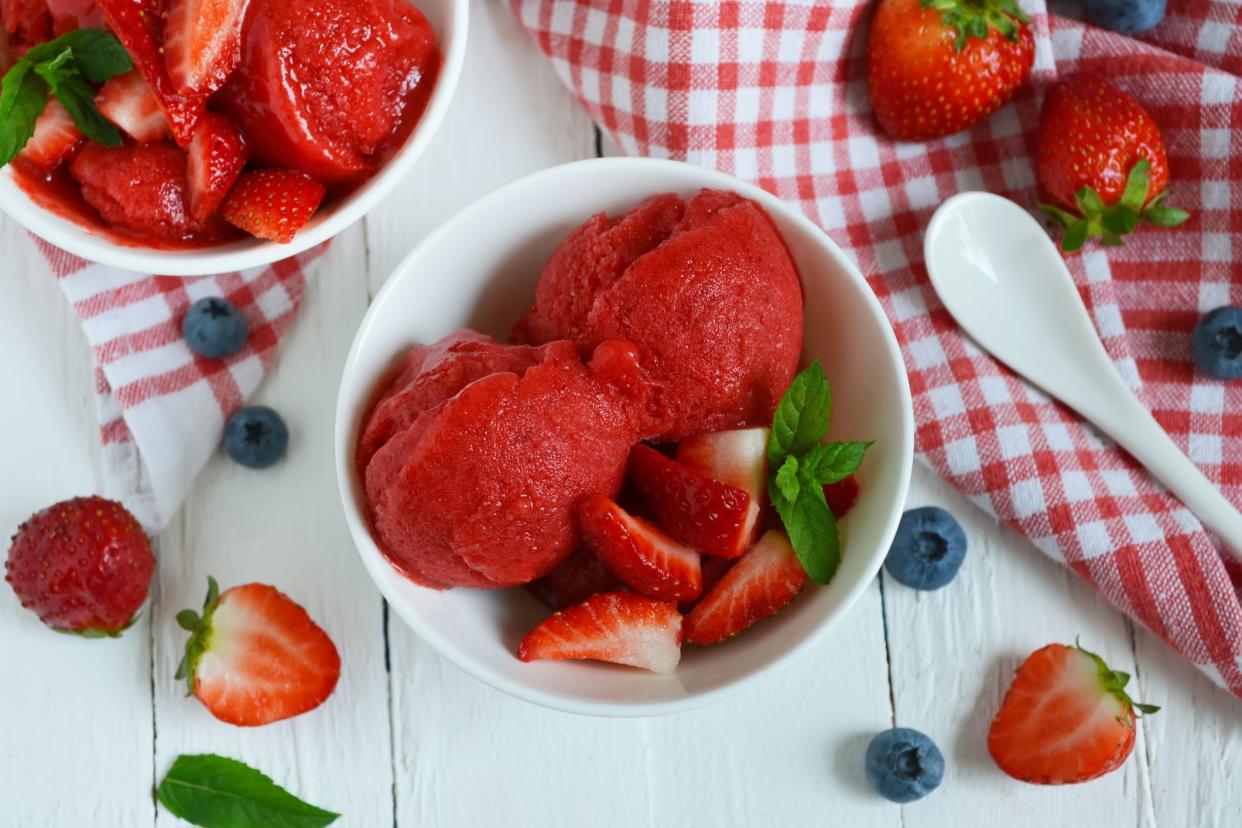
<point x="1066" y="718"/>
<point x="841" y="496"/>
<point x="255" y="656"/>
<point x="272" y="204"/>
<point x="739" y="458"/>
<point x="640" y="553"/>
<point x="214" y="160"/>
<point x="620" y="627"/>
<point x="701" y="512"/>
<point x="202" y="42"/>
<point x="135" y="25"/>
<point x="54" y="136"/>
<point x="128" y="102"/>
<point x="576" y="579"/>
<point x="760" y="584"/>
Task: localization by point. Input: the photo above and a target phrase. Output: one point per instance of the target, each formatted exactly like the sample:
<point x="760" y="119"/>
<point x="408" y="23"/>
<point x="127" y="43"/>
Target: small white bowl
<point x="479" y="270"/>
<point x="450" y="20"/>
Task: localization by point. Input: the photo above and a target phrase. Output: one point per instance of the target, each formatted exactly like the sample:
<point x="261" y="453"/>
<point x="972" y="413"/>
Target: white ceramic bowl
<point x="479" y="270"/>
<point x="449" y="18"/>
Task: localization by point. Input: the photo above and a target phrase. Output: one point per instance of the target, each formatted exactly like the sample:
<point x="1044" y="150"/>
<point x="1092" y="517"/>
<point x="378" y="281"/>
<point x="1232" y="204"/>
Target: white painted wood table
<point x="88" y="727"/>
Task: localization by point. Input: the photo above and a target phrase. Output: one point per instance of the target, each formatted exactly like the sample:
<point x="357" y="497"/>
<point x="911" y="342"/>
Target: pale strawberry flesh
<point x="739" y="458"/>
<point x="618" y="627"/>
<point x="265" y="660"/>
<point x="1059" y="723"/>
<point x="202" y="42"/>
<point x="759" y="585"/>
<point x="642" y="555"/>
<point x="128" y="102"/>
<point x="713" y="517"/>
<point x="54" y="137"/>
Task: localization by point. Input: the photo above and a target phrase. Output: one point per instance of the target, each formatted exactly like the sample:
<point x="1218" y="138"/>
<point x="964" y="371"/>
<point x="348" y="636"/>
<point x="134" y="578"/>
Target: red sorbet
<point x="705" y="289"/>
<point x="476" y="456"/>
<point x="323" y="84"/>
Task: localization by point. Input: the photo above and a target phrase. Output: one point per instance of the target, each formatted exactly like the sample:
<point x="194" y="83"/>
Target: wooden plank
<point x="75" y="714"/>
<point x="283" y="526"/>
<point x="953" y="651"/>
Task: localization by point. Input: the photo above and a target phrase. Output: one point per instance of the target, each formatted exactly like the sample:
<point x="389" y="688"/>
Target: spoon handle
<point x="1116" y="411"/>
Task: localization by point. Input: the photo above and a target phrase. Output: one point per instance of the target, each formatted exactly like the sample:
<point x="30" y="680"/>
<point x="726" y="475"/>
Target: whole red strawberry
<point x="1066" y="718"/>
<point x="935" y="67"/>
<point x="82" y="565"/>
<point x="1101" y="162"/>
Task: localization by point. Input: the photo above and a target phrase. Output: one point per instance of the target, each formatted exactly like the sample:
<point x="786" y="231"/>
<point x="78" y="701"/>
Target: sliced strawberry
<point x="700" y="512"/>
<point x="842" y="496"/>
<point x="135" y="25"/>
<point x="578" y="577"/>
<point x="713" y="570"/>
<point x="68" y="15"/>
<point x="620" y="627"/>
<point x="55" y="135"/>
<point x="202" y="42"/>
<point x="1066" y="718"/>
<point x="272" y="204"/>
<point x="26" y="22"/>
<point x="760" y="584"/>
<point x="128" y="102"/>
<point x="739" y="458"/>
<point x="256" y="657"/>
<point x="640" y="553"/>
<point x="214" y="160"/>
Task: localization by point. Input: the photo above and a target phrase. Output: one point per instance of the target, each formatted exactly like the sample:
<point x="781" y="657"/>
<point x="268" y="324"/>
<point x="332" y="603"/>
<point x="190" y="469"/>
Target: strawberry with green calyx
<point x="935" y="67"/>
<point x="1101" y="163"/>
<point x="1066" y="718"/>
<point x="801" y="465"/>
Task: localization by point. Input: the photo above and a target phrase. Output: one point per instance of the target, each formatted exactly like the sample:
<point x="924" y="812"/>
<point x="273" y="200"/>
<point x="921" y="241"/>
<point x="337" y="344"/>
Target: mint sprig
<point x="216" y="792"/>
<point x="802" y="465"/>
<point x="66" y="68"/>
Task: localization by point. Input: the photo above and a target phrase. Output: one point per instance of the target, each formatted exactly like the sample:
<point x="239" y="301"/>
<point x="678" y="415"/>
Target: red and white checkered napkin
<point x="161" y="408"/>
<point x="775" y="92"/>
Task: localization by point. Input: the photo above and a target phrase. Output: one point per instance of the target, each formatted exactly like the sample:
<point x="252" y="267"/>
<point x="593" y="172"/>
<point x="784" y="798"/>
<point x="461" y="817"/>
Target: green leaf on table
<point x="216" y="792"/>
<point x="801" y="419"/>
<point x="831" y="462"/>
<point x="811" y="528"/>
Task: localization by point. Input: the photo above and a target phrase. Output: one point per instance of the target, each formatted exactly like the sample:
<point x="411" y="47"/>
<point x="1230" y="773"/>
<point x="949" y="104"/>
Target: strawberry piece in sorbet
<point x="706" y="291"/>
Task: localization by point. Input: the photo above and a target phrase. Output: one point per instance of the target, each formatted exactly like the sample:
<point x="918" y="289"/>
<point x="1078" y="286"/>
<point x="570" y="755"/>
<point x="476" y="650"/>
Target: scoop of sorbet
<point x="475" y="458"/>
<point x="705" y="289"/>
<point x="323" y="84"/>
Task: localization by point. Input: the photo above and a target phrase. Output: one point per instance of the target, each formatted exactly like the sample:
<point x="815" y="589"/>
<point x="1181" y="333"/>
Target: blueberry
<point x="256" y="437"/>
<point x="928" y="550"/>
<point x="1217" y="343"/>
<point x="903" y="764"/>
<point x="1126" y="16"/>
<point x="214" y="328"/>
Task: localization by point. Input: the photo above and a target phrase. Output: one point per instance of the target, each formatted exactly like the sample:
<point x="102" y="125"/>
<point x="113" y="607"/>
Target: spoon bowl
<point x="1004" y="281"/>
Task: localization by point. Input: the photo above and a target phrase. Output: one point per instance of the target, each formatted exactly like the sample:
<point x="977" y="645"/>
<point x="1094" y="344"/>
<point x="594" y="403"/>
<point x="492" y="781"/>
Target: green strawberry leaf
<point x="976" y="18"/>
<point x="1089" y="202"/>
<point x="1135" y="194"/>
<point x="1147" y="708"/>
<point x="1075" y="236"/>
<point x="801" y="419"/>
<point x="1165" y="216"/>
<point x="1061" y="217"/>
<point x="831" y="462"/>
<point x="1119" y="220"/>
<point x="216" y="792"/>
<point x="22" y="98"/>
<point x="812" y="530"/>
<point x="1111" y="240"/>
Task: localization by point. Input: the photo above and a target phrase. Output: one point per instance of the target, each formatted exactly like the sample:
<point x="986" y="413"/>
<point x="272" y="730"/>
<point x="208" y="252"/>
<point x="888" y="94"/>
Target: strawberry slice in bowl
<point x="54" y="137"/>
<point x="214" y="160"/>
<point x="640" y="553"/>
<point x="618" y="627"/>
<point x="273" y="204"/>
<point x="202" y="43"/>
<point x="127" y="101"/>
<point x="713" y="517"/>
<point x="738" y="458"/>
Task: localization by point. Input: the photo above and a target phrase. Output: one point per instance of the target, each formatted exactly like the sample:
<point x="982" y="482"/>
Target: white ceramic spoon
<point x="1004" y="281"/>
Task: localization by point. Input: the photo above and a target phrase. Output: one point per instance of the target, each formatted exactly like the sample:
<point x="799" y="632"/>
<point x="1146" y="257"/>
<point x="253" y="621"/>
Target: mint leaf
<point x="801" y="419"/>
<point x="812" y="530"/>
<point x="22" y="99"/>
<point x="830" y="462"/>
<point x="787" y="478"/>
<point x="78" y="97"/>
<point x="100" y="55"/>
<point x="216" y="792"/>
